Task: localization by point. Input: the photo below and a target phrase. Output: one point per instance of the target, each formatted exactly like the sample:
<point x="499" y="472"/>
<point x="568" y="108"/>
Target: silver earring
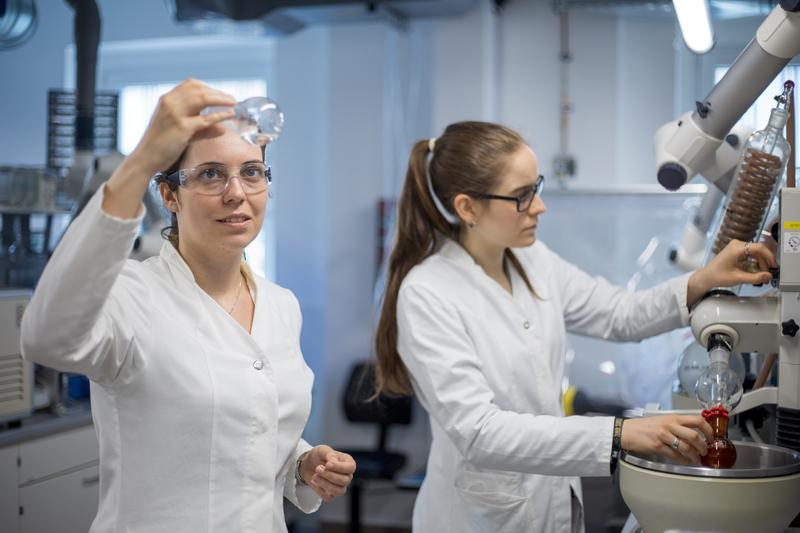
<point x="471" y="224"/>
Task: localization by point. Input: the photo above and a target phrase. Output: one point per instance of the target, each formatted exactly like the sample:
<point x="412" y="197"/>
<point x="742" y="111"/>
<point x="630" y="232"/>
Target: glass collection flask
<point x="718" y="385"/>
<point x="258" y="119"/>
<point x="694" y="360"/>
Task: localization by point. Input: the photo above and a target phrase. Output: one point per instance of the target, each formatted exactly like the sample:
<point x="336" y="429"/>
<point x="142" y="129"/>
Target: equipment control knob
<point x="790" y="328"/>
<point x="732" y="139"/>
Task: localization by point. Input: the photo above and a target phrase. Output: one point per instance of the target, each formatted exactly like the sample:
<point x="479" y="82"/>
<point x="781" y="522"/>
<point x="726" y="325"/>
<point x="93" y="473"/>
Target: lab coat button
<point x="526" y="324"/>
<point x="258" y="365"/>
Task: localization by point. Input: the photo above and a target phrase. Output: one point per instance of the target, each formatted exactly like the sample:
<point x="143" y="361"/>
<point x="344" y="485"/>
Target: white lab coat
<point x="198" y="421"/>
<point x="488" y="367"/>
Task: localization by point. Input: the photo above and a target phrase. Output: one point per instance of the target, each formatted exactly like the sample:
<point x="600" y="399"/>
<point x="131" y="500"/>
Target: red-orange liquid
<point x="721" y="451"/>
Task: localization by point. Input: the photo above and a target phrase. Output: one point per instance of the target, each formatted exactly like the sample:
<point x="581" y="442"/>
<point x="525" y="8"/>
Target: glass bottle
<point x="258" y="120"/>
<point x="758" y="178"/>
<point x="721" y="451"/>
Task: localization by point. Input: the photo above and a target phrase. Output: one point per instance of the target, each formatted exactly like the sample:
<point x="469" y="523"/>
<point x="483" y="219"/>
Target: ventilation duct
<point x="286" y="16"/>
<point x="17" y="22"/>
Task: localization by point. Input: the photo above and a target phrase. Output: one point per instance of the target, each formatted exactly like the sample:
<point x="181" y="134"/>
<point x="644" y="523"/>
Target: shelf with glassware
<point x="33" y="214"/>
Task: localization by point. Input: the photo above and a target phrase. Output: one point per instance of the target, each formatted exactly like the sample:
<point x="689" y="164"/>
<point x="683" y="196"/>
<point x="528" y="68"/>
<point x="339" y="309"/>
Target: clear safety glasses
<point x="214" y="180"/>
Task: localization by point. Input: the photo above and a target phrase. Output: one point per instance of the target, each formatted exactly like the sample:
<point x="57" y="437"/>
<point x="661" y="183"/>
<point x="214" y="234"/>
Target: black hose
<point x="87" y="40"/>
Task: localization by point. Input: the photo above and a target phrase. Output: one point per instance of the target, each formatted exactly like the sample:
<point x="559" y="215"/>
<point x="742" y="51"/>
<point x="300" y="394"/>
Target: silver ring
<point x="746" y="250"/>
<point x="675" y="443"/>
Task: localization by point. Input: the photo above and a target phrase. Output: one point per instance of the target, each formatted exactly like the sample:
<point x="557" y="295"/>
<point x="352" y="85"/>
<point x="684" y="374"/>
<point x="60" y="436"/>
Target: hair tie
<point x="431" y="144"/>
<point x="447" y="215"/>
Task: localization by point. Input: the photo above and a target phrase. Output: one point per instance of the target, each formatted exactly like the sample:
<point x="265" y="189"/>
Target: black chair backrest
<point x="360" y="407"/>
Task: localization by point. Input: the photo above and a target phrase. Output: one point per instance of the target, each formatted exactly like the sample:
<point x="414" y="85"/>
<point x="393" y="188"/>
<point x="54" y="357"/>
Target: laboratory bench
<point x="43" y="423"/>
<point x="49" y="473"/>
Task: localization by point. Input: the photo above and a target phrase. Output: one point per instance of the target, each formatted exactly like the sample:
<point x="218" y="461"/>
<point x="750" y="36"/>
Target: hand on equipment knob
<point x="738" y="263"/>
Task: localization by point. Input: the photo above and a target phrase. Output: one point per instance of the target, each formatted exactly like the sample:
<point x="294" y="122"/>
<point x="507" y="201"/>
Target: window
<point x="137" y="103"/>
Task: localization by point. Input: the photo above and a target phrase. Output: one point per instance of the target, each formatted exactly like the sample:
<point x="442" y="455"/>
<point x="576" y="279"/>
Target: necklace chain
<point x="238" y="292"/>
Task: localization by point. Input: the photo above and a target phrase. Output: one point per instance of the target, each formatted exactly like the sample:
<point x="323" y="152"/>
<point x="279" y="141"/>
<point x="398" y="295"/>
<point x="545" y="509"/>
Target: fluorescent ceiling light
<point x="608" y="367"/>
<point x="694" y="19"/>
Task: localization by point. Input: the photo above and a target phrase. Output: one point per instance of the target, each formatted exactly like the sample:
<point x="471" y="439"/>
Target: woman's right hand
<point x="177" y="120"/>
<point x="657" y="434"/>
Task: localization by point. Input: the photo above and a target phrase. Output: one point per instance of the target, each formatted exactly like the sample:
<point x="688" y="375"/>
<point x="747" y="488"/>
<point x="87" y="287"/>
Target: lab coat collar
<point x="453" y="251"/>
<point x="171" y="256"/>
<point x="176" y="263"/>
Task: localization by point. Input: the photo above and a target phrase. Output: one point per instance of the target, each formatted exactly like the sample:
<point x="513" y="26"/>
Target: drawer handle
<point x="89" y="481"/>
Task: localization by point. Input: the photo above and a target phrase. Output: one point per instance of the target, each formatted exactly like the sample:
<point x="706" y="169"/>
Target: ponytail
<point x="419" y="230"/>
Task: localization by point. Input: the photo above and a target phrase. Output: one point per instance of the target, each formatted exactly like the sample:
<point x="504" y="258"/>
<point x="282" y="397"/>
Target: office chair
<point x="377" y="462"/>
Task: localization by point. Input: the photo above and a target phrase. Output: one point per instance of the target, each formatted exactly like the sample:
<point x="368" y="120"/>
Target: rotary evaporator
<point x="744" y="485"/>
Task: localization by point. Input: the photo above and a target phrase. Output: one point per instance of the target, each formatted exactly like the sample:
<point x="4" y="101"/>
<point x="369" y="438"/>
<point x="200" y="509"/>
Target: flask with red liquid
<point x="721" y="451"/>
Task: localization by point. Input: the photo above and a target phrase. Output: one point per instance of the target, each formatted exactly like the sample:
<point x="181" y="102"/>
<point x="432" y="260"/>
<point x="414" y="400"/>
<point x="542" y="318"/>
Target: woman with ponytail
<point x="474" y="322"/>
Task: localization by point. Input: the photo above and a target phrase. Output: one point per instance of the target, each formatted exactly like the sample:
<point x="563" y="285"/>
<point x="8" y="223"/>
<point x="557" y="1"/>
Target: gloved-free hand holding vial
<point x="258" y="120"/>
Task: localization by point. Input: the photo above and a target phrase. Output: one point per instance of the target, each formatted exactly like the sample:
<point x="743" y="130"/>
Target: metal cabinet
<point x="9" y="488"/>
<point x="42" y="458"/>
<point x="65" y="503"/>
<point x="50" y="483"/>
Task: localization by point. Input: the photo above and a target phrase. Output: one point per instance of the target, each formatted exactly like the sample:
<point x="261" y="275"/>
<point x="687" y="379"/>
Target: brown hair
<point x="469" y="156"/>
<point x="170" y="232"/>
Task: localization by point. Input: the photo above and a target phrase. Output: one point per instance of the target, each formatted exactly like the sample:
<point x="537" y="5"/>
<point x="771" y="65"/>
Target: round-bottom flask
<point x="721" y="451"/>
<point x="258" y="120"/>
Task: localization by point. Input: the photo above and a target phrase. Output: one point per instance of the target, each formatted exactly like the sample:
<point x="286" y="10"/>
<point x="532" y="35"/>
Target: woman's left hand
<point x="327" y="471"/>
<point x="731" y="267"/>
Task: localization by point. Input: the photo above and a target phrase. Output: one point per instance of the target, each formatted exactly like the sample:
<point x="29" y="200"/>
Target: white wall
<point x="355" y="98"/>
<point x="302" y="185"/>
<point x="620" y="84"/>
<point x="644" y="94"/>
